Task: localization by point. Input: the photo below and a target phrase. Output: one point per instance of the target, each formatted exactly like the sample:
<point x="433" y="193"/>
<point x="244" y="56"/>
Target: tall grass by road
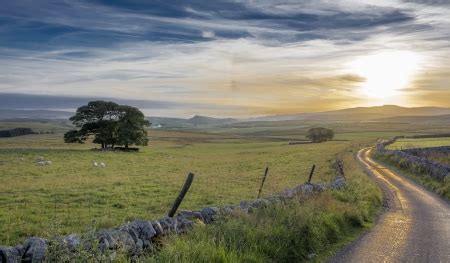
<point x="296" y="231"/>
<point x="441" y="187"/>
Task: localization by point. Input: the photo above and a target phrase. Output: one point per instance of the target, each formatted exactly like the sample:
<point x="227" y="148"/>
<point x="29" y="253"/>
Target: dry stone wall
<point x="141" y="235"/>
<point x="410" y="158"/>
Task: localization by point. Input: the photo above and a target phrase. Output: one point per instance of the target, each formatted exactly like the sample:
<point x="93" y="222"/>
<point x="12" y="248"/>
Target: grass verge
<point x="394" y="162"/>
<point x="301" y="229"/>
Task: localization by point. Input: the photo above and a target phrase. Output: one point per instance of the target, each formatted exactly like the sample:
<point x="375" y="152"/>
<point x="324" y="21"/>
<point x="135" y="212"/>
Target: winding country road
<point x="414" y="228"/>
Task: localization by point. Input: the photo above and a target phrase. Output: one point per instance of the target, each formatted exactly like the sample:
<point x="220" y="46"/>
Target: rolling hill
<point x="417" y="119"/>
<point x="386" y="113"/>
<point x="359" y="114"/>
<point x="8" y="114"/>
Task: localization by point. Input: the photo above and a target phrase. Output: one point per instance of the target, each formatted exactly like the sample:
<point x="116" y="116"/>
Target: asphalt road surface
<point x="414" y="228"/>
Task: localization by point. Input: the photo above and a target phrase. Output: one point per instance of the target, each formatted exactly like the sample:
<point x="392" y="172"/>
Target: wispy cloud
<point x="251" y="57"/>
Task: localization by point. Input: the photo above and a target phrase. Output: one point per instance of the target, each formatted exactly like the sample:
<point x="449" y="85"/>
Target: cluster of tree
<point x="16" y="132"/>
<point x="320" y="134"/>
<point x="110" y="123"/>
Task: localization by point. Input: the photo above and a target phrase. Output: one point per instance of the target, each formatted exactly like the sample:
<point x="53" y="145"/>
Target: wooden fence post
<point x="340" y="167"/>
<point x="181" y="195"/>
<point x="262" y="183"/>
<point x="311" y="173"/>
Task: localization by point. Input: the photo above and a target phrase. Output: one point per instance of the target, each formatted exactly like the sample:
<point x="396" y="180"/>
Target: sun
<point x="386" y="73"/>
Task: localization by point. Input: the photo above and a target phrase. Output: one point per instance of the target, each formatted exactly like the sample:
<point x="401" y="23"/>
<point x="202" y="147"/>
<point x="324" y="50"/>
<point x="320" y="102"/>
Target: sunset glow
<point x="386" y="73"/>
<point x="229" y="58"/>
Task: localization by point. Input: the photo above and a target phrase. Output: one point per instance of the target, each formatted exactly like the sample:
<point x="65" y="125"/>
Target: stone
<point x="274" y="199"/>
<point x="105" y="240"/>
<point x="72" y="241"/>
<point x="168" y="224"/>
<point x="305" y="189"/>
<point x="338" y="183"/>
<point x="114" y="239"/>
<point x="191" y="214"/>
<point x="34" y="250"/>
<point x="158" y="228"/>
<point x="10" y="254"/>
<point x="245" y="206"/>
<point x="288" y="193"/>
<point x="183" y="224"/>
<point x="20" y="250"/>
<point x="208" y="214"/>
<point x="317" y="188"/>
<point x="123" y="240"/>
<point x="228" y="209"/>
<point x="131" y="231"/>
<point x="260" y="203"/>
<point x="144" y="229"/>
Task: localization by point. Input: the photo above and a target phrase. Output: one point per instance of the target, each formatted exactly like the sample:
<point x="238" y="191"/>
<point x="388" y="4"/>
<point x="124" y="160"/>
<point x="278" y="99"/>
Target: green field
<point x="407" y="143"/>
<point x="69" y="194"/>
<point x="440" y="187"/>
<point x="288" y="232"/>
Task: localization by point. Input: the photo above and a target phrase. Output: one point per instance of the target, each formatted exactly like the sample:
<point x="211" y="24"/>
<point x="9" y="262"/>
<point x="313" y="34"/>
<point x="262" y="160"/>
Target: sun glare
<point x="386" y="73"/>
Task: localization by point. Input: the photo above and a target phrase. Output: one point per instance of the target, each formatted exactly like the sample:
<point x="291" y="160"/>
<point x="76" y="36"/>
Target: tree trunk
<point x="126" y="146"/>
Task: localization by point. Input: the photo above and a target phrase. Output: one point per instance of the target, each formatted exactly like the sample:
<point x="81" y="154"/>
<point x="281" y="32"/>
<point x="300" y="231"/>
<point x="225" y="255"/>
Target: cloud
<point x="208" y="34"/>
<point x="247" y="56"/>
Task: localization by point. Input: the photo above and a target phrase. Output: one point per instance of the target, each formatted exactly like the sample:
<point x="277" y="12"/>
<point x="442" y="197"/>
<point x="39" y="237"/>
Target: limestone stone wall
<point x="139" y="235"/>
<point x="410" y="158"/>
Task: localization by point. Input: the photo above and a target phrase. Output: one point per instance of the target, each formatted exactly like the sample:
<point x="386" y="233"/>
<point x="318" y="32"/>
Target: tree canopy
<point x="320" y="134"/>
<point x="110" y="123"/>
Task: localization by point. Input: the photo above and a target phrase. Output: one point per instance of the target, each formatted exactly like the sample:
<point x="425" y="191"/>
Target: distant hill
<point x="203" y="120"/>
<point x="6" y="114"/>
<point x="395" y="110"/>
<point x="196" y="121"/>
<point x="388" y="113"/>
<point x="359" y="114"/>
<point x="164" y="122"/>
<point x="417" y="119"/>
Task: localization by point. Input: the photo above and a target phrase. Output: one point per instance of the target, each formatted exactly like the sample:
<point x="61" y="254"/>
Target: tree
<point x="320" y="134"/>
<point x="131" y="127"/>
<point x="110" y="123"/>
<point x="74" y="136"/>
<point x="98" y="118"/>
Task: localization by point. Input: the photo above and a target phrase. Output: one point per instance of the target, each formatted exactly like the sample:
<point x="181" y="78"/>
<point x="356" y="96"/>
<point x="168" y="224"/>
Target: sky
<point x="219" y="58"/>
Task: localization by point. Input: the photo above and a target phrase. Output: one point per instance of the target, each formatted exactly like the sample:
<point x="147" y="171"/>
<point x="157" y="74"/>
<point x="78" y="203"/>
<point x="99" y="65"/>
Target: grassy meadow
<point x="71" y="195"/>
<point x="68" y="195"/>
<point x="439" y="157"/>
<point x="297" y="231"/>
<point x="407" y="143"/>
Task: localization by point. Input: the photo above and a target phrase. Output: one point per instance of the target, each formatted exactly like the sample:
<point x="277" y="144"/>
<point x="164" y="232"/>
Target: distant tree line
<point x="320" y="134"/>
<point x="16" y="132"/>
<point x="111" y="124"/>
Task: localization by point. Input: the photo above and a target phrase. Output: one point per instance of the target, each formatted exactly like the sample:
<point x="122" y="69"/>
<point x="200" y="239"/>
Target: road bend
<point x="415" y="226"/>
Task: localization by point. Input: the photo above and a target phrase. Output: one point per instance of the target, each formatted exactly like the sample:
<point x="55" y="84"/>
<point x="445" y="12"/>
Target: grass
<point x="407" y="143"/>
<point x="296" y="231"/>
<point x="440" y="187"/>
<point x="37" y="126"/>
<point x="70" y="194"/>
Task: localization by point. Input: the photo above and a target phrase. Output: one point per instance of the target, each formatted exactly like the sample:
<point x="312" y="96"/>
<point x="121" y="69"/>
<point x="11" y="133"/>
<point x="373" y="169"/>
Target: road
<point x="415" y="226"/>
